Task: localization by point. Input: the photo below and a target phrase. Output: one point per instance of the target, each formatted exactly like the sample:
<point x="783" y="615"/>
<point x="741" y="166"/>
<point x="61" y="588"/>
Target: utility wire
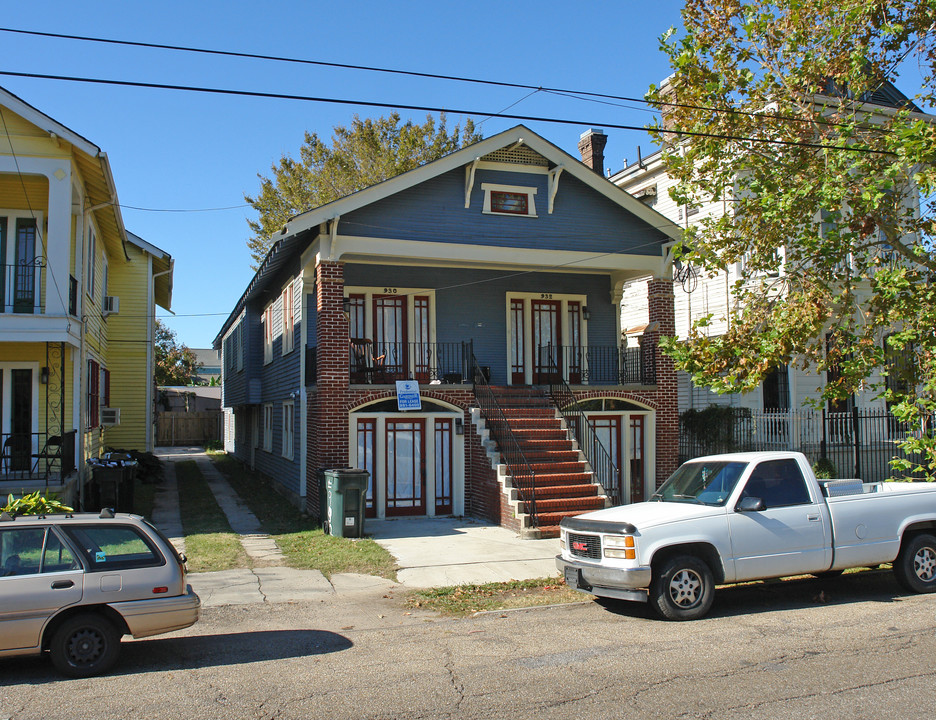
<point x="429" y="108"/>
<point x="367" y="68"/>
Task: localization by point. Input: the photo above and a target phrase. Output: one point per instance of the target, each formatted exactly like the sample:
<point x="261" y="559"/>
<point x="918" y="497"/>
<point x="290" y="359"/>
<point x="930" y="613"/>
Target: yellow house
<point x="77" y="304"/>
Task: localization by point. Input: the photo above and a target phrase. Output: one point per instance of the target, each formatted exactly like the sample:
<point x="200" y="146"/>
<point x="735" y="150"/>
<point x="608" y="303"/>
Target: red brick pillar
<point x="327" y="430"/>
<point x="663" y="324"/>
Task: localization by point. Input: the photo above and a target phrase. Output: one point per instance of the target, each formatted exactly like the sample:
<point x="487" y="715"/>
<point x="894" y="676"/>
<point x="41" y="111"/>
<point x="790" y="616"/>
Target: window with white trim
<point x="289" y="427"/>
<point x="289" y="318"/>
<point x="514" y="200"/>
<point x="267" y="323"/>
<point x="92" y="251"/>
<point x="268" y="427"/>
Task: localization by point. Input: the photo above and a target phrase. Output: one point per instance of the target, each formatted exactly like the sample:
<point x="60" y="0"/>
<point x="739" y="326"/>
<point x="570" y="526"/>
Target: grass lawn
<point x="209" y="542"/>
<point x="298" y="536"/>
<point x="462" y="600"/>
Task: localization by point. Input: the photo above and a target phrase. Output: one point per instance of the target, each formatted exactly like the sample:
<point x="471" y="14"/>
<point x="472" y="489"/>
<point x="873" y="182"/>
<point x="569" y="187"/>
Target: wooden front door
<point x="406" y="467"/>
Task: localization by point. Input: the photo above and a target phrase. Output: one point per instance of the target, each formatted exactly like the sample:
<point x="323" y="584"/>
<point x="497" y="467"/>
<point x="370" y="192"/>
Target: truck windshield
<point x="708" y="483"/>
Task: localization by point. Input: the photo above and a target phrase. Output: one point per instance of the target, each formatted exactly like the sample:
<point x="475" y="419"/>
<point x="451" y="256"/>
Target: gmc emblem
<point x="580" y="546"/>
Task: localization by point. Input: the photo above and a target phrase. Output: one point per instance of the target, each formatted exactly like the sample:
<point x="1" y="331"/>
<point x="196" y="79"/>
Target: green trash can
<point x="345" y="489"/>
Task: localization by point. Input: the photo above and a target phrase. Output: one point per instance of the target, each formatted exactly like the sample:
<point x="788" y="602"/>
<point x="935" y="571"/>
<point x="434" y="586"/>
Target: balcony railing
<point x="598" y="364"/>
<point x="19" y="287"/>
<point x="36" y="456"/>
<point x="387" y="362"/>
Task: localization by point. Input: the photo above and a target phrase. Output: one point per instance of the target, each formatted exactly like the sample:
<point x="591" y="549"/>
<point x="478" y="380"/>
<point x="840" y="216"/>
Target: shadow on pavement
<point x="190" y="652"/>
<point x="787" y="594"/>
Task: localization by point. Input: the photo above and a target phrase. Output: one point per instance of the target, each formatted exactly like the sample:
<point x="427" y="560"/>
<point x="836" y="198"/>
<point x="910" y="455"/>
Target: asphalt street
<point x="853" y="647"/>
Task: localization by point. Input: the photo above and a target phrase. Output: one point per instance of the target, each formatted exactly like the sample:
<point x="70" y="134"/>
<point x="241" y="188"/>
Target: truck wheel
<point x="915" y="566"/>
<point x="684" y="589"/>
<point x="85" y="645"/>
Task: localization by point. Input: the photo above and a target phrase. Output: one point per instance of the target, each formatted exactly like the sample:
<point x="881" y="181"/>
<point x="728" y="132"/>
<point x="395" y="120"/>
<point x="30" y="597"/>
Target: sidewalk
<point x="431" y="552"/>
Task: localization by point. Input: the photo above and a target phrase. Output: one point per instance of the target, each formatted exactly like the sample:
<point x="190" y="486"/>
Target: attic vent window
<point x="509" y="200"/>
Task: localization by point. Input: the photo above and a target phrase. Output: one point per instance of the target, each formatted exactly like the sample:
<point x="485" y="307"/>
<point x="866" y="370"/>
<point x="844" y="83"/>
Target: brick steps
<point x="563" y="485"/>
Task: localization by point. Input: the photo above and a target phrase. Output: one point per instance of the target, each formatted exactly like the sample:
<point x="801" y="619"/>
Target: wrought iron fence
<point x="521" y="471"/>
<point x="600" y="364"/>
<point x="386" y="362"/>
<point x="860" y="443"/>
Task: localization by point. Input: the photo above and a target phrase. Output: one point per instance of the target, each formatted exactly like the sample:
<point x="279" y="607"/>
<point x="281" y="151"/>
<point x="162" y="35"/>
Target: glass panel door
<point x="443" y="467"/>
<point x="24" y="283"/>
<point x="406" y="467"/>
<point x="546" y="339"/>
<point x="422" y="360"/>
<point x="390" y="335"/>
<point x="573" y="355"/>
<point x="635" y="457"/>
<point x="517" y="345"/>
<point x="366" y="446"/>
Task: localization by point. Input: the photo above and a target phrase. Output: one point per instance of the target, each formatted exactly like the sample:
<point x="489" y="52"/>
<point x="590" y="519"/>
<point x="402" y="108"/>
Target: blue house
<point x="492" y="278"/>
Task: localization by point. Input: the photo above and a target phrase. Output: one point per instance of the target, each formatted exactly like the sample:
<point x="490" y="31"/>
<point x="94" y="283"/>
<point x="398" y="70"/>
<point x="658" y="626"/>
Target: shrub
<point x="824" y="469"/>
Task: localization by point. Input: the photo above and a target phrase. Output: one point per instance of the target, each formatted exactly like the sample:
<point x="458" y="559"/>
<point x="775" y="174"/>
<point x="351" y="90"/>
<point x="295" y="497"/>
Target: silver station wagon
<point x="72" y="585"/>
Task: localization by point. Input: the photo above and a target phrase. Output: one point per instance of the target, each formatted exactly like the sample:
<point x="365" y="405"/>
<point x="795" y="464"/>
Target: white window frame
<point x="91" y="266"/>
<point x="267" y="323"/>
<point x="268" y="427"/>
<point x="289" y="319"/>
<point x="527" y="342"/>
<point x="530" y="192"/>
<point x="289" y="428"/>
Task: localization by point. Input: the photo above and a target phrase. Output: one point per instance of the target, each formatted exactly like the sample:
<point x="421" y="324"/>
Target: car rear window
<point x="114" y="547"/>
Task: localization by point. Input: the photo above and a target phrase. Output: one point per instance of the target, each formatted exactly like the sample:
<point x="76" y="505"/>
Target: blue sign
<point x="407" y="393"/>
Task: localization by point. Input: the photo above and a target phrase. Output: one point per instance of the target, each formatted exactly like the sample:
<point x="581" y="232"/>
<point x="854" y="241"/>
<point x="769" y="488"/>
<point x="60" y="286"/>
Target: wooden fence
<point x="188" y="428"/>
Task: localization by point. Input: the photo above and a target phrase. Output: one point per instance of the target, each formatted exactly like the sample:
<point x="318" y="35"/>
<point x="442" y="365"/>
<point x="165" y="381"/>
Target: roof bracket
<point x="554" y="184"/>
<point x="469" y="180"/>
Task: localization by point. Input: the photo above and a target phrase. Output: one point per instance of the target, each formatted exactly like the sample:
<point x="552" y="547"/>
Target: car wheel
<point x="684" y="589"/>
<point x="85" y="645"/>
<point x="915" y="566"/>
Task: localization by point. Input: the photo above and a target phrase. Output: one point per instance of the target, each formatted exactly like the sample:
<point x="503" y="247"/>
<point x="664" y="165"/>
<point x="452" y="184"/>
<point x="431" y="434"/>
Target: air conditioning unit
<point x="111" y="305"/>
<point x="110" y="416"/>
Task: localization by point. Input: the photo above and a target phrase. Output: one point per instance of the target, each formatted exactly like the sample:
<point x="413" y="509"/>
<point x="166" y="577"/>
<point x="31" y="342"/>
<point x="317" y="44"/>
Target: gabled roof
<point x="518" y="134"/>
<point x="91" y="161"/>
<point x="163" y="266"/>
<point x="293" y="233"/>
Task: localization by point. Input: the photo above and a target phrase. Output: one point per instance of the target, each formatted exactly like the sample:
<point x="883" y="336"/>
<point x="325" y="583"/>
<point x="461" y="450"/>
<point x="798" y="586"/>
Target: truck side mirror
<point x="750" y="504"/>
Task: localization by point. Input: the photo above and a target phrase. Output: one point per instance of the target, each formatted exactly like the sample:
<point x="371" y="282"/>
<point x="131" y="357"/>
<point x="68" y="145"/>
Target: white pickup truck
<point x="747" y="516"/>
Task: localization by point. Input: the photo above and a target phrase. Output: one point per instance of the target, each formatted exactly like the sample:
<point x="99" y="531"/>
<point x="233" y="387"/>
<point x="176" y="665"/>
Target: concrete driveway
<point x="435" y="552"/>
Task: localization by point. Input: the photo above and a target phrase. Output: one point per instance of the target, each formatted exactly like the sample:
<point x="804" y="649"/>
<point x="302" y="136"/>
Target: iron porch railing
<point x="19" y="287"/>
<point x="36" y="456"/>
<point x="387" y="362"/>
<point x="599" y="364"/>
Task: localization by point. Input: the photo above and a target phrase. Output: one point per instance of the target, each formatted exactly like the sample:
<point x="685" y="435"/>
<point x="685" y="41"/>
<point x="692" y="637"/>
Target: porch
<point x="371" y="362"/>
<point x="36" y="461"/>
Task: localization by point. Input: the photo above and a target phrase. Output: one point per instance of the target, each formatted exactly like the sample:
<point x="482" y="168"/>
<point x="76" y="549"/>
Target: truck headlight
<point x="620" y="546"/>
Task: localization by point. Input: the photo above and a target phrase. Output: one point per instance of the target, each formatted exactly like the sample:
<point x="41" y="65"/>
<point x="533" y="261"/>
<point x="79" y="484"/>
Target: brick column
<point x="663" y="324"/>
<point x="327" y="430"/>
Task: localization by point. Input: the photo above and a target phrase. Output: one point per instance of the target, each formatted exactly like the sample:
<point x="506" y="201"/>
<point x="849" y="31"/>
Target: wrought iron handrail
<point x="524" y="477"/>
<point x="602" y="464"/>
<point x="36" y="456"/>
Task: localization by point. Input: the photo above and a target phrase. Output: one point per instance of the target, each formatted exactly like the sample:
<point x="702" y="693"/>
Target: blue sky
<point x="184" y="151"/>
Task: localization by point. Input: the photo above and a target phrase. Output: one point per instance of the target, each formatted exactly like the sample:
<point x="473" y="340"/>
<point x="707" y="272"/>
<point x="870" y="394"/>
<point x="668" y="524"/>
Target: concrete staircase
<point x="564" y="482"/>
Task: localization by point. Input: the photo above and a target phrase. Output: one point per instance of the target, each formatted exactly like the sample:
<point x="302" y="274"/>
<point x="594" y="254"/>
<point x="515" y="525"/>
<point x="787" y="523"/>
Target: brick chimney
<point x="591" y="145"/>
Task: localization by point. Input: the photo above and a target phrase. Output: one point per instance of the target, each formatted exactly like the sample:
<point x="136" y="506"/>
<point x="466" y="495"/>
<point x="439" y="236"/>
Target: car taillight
<point x="159" y="590"/>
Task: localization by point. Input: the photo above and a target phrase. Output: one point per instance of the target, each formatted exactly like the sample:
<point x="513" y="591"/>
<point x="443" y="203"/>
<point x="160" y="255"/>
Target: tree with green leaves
<point x="359" y="156"/>
<point x="791" y="118"/>
<point x="175" y="362"/>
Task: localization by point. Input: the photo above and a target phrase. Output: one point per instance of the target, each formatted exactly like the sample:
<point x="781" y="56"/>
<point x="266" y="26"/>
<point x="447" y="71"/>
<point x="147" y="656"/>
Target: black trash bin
<point x="112" y="481"/>
<point x="345" y="489"/>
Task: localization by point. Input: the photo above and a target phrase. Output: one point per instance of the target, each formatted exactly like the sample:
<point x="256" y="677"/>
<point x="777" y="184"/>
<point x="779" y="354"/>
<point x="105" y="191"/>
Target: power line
<point x="575" y="94"/>
<point x="428" y="108"/>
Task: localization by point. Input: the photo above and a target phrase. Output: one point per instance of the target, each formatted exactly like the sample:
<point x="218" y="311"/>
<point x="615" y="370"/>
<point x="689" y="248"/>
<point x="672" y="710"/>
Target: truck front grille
<point x="586" y="546"/>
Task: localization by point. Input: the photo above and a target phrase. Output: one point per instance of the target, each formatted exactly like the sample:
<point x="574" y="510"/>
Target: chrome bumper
<point x="622" y="583"/>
